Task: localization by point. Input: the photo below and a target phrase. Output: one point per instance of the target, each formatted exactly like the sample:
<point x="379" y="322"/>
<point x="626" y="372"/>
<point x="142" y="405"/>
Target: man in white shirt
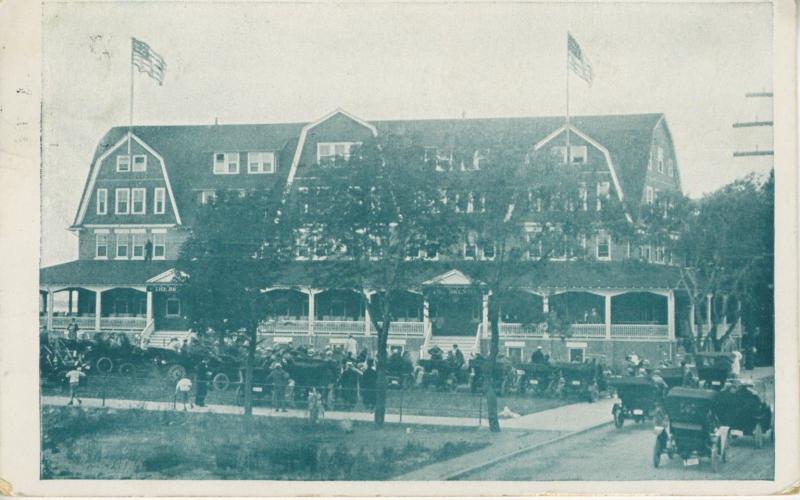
<point x="183" y="388"/>
<point x="74" y="377"/>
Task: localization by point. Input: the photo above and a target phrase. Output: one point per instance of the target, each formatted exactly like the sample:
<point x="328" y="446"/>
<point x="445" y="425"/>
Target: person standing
<point x="148" y="250"/>
<point x="201" y="381"/>
<point x="182" y="390"/>
<point x="72" y="329"/>
<point x="538" y="355"/>
<point x="348" y="381"/>
<point x="74" y="377"/>
<point x="280" y="381"/>
<point x="369" y="382"/>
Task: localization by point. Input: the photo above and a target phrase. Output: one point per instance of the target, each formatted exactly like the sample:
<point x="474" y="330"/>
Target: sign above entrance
<point x="454" y="277"/>
<point x="162" y="288"/>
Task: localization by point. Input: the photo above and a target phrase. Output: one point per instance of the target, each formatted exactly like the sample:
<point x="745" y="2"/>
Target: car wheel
<point x="758" y="434"/>
<point x="104" y="365"/>
<point x="619" y="419"/>
<point x="176" y="372"/>
<point x="715" y="457"/>
<point x="221" y="382"/>
<point x="657" y="449"/>
<point x="126" y="369"/>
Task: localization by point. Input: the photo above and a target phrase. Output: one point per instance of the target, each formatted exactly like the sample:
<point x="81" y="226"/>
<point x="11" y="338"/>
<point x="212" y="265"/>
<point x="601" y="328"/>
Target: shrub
<point x="161" y="459"/>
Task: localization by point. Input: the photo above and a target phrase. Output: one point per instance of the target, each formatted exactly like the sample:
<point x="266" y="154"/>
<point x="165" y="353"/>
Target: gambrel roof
<point x="187" y="150"/>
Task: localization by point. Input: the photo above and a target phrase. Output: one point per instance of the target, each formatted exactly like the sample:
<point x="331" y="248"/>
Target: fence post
<point x="402" y="391"/>
<point x="480" y="409"/>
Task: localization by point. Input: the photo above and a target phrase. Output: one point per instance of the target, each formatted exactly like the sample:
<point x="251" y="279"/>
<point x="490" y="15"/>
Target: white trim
<point x="101" y="231"/>
<point x="158" y="231"/>
<point x="96" y="171"/>
<point x="117" y="192"/>
<point x="226" y="162"/>
<point x="577" y="345"/>
<point x="144" y="201"/>
<point x="165" y="277"/>
<point x="133" y="163"/>
<point x="597" y="145"/>
<point x="298" y="152"/>
<point x="261" y="163"/>
<point x="105" y="201"/>
<point x="123" y="157"/>
<point x="607" y="237"/>
<point x="163" y="201"/>
<point x="93" y="226"/>
<point x="105" y="235"/>
<point x="514" y="343"/>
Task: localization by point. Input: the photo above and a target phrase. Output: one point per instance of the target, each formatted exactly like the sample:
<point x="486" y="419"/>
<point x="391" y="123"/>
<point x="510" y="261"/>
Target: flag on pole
<point x="147" y="61"/>
<point x="577" y="60"/>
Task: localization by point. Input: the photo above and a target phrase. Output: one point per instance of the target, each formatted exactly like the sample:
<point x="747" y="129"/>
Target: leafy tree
<point x="371" y="214"/>
<point x="234" y="250"/>
<point x="727" y="243"/>
<point x="526" y="207"/>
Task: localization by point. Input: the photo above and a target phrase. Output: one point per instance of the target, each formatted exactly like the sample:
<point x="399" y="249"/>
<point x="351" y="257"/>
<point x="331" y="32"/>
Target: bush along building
<point x="612" y="291"/>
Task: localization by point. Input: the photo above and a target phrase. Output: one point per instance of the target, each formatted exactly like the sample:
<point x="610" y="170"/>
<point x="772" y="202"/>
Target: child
<point x="316" y="410"/>
<point x="184" y="387"/>
<point x="74" y="377"/>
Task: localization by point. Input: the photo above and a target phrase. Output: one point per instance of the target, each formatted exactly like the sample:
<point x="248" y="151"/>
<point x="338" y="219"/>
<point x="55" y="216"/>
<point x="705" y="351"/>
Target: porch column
<point x="608" y="315"/>
<point x="69" y="302"/>
<point x="311" y="313"/>
<point x="426" y="318"/>
<point x="485" y="316"/>
<point x="671" y="315"/>
<point x="708" y="312"/>
<point x="149" y="306"/>
<point x="692" y="325"/>
<point x="49" y="307"/>
<point x="367" y="316"/>
<point x="98" y="306"/>
<point x="546" y="311"/>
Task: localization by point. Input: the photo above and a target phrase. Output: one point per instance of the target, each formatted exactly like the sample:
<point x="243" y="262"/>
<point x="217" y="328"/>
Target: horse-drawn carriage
<point x="639" y="398"/>
<point x="693" y="430"/>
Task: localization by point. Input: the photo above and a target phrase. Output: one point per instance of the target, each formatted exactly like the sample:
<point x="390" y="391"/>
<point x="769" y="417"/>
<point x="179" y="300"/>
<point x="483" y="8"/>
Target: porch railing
<point x="587" y="330"/>
<point x="522" y="330"/>
<point x="291" y="326"/>
<point x="61" y="322"/>
<point x="639" y="331"/>
<point x="123" y="323"/>
<point x="406" y="329"/>
<point x="339" y="326"/>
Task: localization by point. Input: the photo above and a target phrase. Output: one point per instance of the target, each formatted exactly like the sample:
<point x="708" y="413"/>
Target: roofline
<point x="677" y="170"/>
<point x="83" y="207"/>
<point x="597" y="145"/>
<point x="304" y="133"/>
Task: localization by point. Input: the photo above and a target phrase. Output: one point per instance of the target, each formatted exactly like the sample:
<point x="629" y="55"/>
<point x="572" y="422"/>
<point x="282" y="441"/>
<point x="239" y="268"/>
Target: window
<point x="534" y="245"/>
<point x="577" y="354"/>
<point x="102" y="201"/>
<point x="578" y="155"/>
<point x="660" y="152"/>
<point x="583" y="194"/>
<point x="207" y="196"/>
<point x="101" y="245"/>
<point x="226" y="163"/>
<point x="122" y="201"/>
<point x="470" y="251"/>
<point x="139" y="239"/>
<point x="139" y="196"/>
<point x="412" y="252"/>
<point x="603" y="247"/>
<point x="123" y="163"/>
<point x="644" y="252"/>
<point x="432" y="251"/>
<point x="559" y="152"/>
<point x="159" y="197"/>
<point x="327" y="151"/>
<point x="670" y="168"/>
<point x="159" y="245"/>
<point x="514" y="354"/>
<point x="302" y="248"/>
<point x="488" y="251"/>
<point x="173" y="307"/>
<point x="603" y="189"/>
<point x="122" y="245"/>
<point x="442" y="159"/>
<point x="260" y="163"/>
<point x="649" y="195"/>
<point x="139" y="163"/>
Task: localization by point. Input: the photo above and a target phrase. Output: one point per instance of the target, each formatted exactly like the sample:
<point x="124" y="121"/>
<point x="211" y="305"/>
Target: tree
<point x="234" y="250"/>
<point x="370" y="214"/>
<point x="727" y="244"/>
<point x="526" y="207"/>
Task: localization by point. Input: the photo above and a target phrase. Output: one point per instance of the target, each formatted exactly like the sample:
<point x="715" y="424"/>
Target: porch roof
<point x="549" y="275"/>
<point x="103" y="272"/>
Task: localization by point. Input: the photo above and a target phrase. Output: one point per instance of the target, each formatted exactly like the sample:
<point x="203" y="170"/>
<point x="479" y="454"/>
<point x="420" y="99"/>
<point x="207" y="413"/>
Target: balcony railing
<point x="288" y="326"/>
<point x="106" y="322"/>
<point x="406" y="329"/>
<point x="522" y="330"/>
<point x="61" y="322"/>
<point x="339" y="326"/>
<point x="639" y="331"/>
<point x="587" y="330"/>
<point x="397" y="328"/>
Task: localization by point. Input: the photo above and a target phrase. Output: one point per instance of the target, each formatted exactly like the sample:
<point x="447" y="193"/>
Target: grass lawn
<point x="80" y="443"/>
<point x="416" y="401"/>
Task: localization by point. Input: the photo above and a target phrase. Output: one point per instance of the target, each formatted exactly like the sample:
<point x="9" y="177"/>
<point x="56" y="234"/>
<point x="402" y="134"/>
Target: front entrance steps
<point x="162" y="338"/>
<point x="466" y="344"/>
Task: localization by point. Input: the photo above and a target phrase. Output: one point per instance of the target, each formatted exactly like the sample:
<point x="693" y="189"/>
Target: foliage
<point x="727" y="242"/>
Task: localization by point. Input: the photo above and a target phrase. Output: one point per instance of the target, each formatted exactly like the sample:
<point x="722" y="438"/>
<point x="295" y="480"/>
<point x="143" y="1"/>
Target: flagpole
<point x="567" y="78"/>
<point x="130" y="116"/>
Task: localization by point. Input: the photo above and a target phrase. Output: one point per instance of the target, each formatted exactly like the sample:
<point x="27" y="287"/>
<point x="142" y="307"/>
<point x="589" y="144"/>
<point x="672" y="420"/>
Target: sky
<point x="277" y="62"/>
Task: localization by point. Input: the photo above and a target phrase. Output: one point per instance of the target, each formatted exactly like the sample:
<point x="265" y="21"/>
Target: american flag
<point x="147" y="61"/>
<point x="577" y="60"/>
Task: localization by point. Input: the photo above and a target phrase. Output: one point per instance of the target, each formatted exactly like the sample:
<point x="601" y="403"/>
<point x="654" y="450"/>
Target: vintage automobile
<point x="584" y="379"/>
<point x="536" y="378"/>
<point x="713" y="368"/>
<point x="693" y="430"/>
<point x="672" y="375"/>
<point x="639" y="399"/>
<point x="746" y="413"/>
<point x="261" y="388"/>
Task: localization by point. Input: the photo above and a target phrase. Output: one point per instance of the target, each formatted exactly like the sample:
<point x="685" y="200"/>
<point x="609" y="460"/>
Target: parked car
<point x="639" y="399"/>
<point x="747" y="414"/>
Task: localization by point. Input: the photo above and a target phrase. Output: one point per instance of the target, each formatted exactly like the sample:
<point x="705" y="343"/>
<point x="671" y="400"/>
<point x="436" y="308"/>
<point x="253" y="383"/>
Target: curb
<point x="475" y="468"/>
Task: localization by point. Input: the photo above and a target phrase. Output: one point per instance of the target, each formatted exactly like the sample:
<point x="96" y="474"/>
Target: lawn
<point x="415" y="401"/>
<point x="80" y="443"/>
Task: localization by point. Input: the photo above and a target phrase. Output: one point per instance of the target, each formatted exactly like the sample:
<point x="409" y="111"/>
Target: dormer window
<point x="470" y="251"/>
<point x="226" y="163"/>
<point x="660" y="157"/>
<point x="487" y="251"/>
<point x="603" y="247"/>
<point x="649" y="195"/>
<point x="123" y="163"/>
<point x="139" y="163"/>
<point x="260" y="162"/>
<point x="328" y="151"/>
<point x="207" y="196"/>
<point x="670" y="168"/>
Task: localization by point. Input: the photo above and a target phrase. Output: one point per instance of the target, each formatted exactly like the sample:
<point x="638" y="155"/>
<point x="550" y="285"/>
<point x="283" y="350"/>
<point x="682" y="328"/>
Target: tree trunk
<point x="380" y="383"/>
<point x="248" y="371"/>
<point x="494" y="347"/>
